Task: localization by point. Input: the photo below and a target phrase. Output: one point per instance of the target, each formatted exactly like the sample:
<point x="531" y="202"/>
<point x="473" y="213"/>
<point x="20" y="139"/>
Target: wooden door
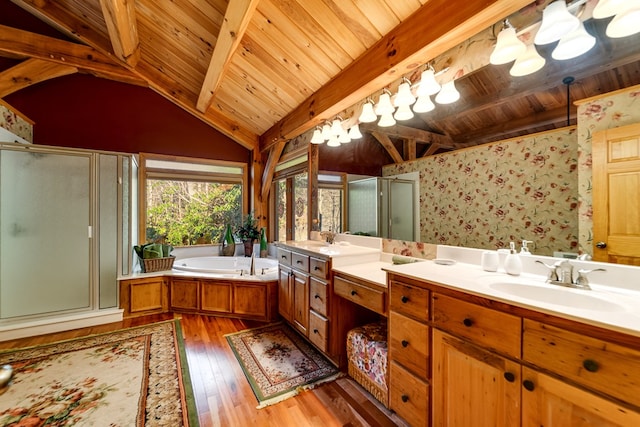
<point x="549" y="402"/>
<point x="473" y="387"/>
<point x="616" y="195"/>
<point x="285" y="293"/>
<point x="301" y="302"/>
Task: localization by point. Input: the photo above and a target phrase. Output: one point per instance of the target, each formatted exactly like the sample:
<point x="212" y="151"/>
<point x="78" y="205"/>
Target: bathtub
<point x="231" y="267"/>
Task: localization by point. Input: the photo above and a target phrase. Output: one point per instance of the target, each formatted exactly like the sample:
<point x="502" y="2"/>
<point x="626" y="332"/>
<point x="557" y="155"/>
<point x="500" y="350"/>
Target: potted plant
<point x="248" y="232"/>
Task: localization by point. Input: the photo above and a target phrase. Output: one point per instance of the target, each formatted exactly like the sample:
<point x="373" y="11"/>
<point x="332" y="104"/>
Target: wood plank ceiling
<point x="264" y="71"/>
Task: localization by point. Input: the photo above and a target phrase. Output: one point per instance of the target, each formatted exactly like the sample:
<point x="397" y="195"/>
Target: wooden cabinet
<point x="285" y="293"/>
<point x="185" y="295"/>
<point x="143" y="296"/>
<point x="473" y="386"/>
<point x="409" y="352"/>
<point x="364" y="294"/>
<point x="300" y="301"/>
<point x="293" y="291"/>
<point x="216" y="296"/>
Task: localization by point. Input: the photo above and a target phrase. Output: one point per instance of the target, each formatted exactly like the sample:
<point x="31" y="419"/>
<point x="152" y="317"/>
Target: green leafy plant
<point x="248" y="231"/>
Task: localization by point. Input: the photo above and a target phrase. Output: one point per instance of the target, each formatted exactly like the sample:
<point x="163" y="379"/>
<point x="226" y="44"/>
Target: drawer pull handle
<point x="591" y="365"/>
<point x="316" y="296"/>
<point x="316" y="268"/>
<point x="315" y="331"/>
<point x="353" y="293"/>
<point x="529" y="385"/>
<point x="509" y="376"/>
<point x="404" y="343"/>
<point x="298" y="262"/>
<point x="468" y="322"/>
<point x="404" y="299"/>
<point x="405" y="398"/>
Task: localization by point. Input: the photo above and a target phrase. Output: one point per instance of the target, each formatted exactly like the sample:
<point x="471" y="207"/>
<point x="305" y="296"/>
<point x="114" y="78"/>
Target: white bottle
<point x="512" y="264"/>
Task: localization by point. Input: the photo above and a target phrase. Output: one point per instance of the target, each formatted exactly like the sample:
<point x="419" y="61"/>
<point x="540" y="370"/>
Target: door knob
<point x="601" y="245"/>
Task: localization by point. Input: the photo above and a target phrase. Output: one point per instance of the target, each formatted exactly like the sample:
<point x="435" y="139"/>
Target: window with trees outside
<point x="331" y="189"/>
<point x="291" y="198"/>
<point x="190" y="201"/>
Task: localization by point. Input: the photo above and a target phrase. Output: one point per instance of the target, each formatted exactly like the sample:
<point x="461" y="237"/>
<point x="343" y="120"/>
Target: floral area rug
<point x="279" y="363"/>
<point x="131" y="377"/>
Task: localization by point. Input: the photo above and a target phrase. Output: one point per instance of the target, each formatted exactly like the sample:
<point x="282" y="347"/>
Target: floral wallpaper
<point x="489" y="195"/>
<point x="617" y="109"/>
<point x="15" y="124"/>
<point x="412" y="249"/>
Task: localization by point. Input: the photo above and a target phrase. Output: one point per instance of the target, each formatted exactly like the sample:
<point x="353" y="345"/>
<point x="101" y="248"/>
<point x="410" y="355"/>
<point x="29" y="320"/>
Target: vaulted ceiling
<point x="266" y="71"/>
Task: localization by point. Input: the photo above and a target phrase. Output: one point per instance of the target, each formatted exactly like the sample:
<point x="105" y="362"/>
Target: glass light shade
<point x="326" y="131"/>
<point x="574" y="44"/>
<point x="607" y="8"/>
<point x="344" y="137"/>
<point x="528" y="63"/>
<point x="317" y="137"/>
<point x="403" y="113"/>
<point x="404" y="97"/>
<point x="367" y="115"/>
<point x="386" y="120"/>
<point x="448" y="94"/>
<point x="384" y="105"/>
<point x="336" y="127"/>
<point x="428" y="84"/>
<point x="354" y="132"/>
<point x="423" y="105"/>
<point x="508" y="47"/>
<point x="626" y="22"/>
<point x="333" y="141"/>
<point x="556" y="22"/>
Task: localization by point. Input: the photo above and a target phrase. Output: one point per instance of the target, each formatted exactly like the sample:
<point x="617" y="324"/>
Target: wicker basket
<point x="158" y="264"/>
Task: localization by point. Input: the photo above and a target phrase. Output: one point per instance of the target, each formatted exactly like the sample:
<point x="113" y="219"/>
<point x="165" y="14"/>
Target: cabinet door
<point x="473" y="387"/>
<point x="549" y="402"/>
<point x="301" y="301"/>
<point x="216" y="296"/>
<point x="285" y="293"/>
<point x="250" y="300"/>
<point x="184" y="294"/>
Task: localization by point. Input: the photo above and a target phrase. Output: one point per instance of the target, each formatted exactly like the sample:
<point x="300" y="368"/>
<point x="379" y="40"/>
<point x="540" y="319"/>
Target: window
<point x="330" y="202"/>
<point x="190" y="201"/>
<point x="291" y="200"/>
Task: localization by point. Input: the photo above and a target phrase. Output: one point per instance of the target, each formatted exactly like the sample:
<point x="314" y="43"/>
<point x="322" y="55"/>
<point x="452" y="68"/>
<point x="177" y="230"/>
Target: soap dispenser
<point x="512" y="264"/>
<point x="524" y="250"/>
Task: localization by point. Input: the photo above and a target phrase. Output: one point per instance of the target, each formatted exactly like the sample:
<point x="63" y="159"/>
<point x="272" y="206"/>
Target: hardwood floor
<point x="224" y="396"/>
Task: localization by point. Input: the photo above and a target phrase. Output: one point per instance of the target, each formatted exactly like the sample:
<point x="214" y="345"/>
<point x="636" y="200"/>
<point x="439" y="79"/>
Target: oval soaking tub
<point x="226" y="266"/>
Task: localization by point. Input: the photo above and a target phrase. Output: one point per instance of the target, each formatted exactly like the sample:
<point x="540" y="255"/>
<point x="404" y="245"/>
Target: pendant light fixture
<point x="333" y="141"/>
<point x="528" y="63"/>
<point x="625" y="23"/>
<point x="367" y="115"/>
<point x="403" y="113"/>
<point x="428" y="84"/>
<point x="326" y="131"/>
<point x="384" y="105"/>
<point x="354" y="132"/>
<point x="423" y="104"/>
<point x="448" y="94"/>
<point x="404" y="97"/>
<point x="317" y="136"/>
<point x="386" y="120"/>
<point x="557" y="21"/>
<point x="574" y="44"/>
<point x="508" y="46"/>
<point x="607" y="8"/>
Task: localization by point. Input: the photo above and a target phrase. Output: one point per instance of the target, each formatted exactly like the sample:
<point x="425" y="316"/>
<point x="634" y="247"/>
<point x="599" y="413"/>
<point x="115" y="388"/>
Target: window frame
<point x="146" y="172"/>
<point x="336" y="185"/>
<point x="300" y="164"/>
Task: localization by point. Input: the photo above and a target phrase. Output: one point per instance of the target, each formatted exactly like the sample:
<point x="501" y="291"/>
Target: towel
<point x="396" y="260"/>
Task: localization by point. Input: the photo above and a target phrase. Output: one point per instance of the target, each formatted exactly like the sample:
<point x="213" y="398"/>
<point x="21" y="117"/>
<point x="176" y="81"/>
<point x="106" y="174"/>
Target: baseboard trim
<point x="59" y="324"/>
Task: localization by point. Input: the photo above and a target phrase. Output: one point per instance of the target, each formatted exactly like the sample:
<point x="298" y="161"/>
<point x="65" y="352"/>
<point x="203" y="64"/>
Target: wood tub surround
<point x="491" y="363"/>
<point x="251" y="300"/>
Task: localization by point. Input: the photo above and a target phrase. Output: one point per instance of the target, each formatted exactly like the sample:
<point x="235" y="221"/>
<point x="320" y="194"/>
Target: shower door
<point x="45" y="244"/>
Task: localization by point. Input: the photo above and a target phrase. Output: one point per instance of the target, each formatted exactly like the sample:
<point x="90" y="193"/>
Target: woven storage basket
<point x="158" y="264"/>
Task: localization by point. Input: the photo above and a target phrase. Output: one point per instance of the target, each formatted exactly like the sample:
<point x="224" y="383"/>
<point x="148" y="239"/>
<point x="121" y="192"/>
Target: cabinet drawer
<point x="482" y="326"/>
<point x="284" y="256"/>
<point x="361" y="294"/>
<point x="409" y="343"/>
<point x="318" y="330"/>
<point x="319" y="267"/>
<point x="409" y="300"/>
<point x="299" y="261"/>
<point x="408" y="396"/>
<point x="318" y="296"/>
<point x="602" y="366"/>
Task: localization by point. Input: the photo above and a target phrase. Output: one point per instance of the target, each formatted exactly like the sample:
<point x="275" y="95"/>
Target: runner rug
<point x="279" y="363"/>
<point x="130" y="377"/>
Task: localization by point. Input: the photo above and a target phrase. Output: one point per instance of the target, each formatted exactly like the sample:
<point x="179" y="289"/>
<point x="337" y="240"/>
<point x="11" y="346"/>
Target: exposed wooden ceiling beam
<point x="30" y="72"/>
<point x="410" y="44"/>
<point x="388" y="145"/>
<point x="409" y="148"/>
<point x="234" y="25"/>
<point x="431" y="150"/>
<point x="401" y="131"/>
<point x="120" y="16"/>
<point x="270" y="168"/>
<point x="59" y="51"/>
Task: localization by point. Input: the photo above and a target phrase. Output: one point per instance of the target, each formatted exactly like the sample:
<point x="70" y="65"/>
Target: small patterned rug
<point x="279" y="363"/>
<point x="130" y="377"/>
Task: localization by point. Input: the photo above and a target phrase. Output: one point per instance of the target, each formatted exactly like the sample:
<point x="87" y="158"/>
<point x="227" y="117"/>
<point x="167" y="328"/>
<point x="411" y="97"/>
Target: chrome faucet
<point x="328" y="236"/>
<point x="561" y="273"/>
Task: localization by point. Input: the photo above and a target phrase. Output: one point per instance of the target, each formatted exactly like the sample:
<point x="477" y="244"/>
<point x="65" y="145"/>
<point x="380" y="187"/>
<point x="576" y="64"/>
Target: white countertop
<point x="608" y="307"/>
<point x="341" y="253"/>
<point x="370" y="271"/>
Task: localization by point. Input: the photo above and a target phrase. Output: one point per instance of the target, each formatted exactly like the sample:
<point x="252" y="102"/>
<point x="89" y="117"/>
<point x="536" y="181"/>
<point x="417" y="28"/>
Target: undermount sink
<point x="568" y="297"/>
